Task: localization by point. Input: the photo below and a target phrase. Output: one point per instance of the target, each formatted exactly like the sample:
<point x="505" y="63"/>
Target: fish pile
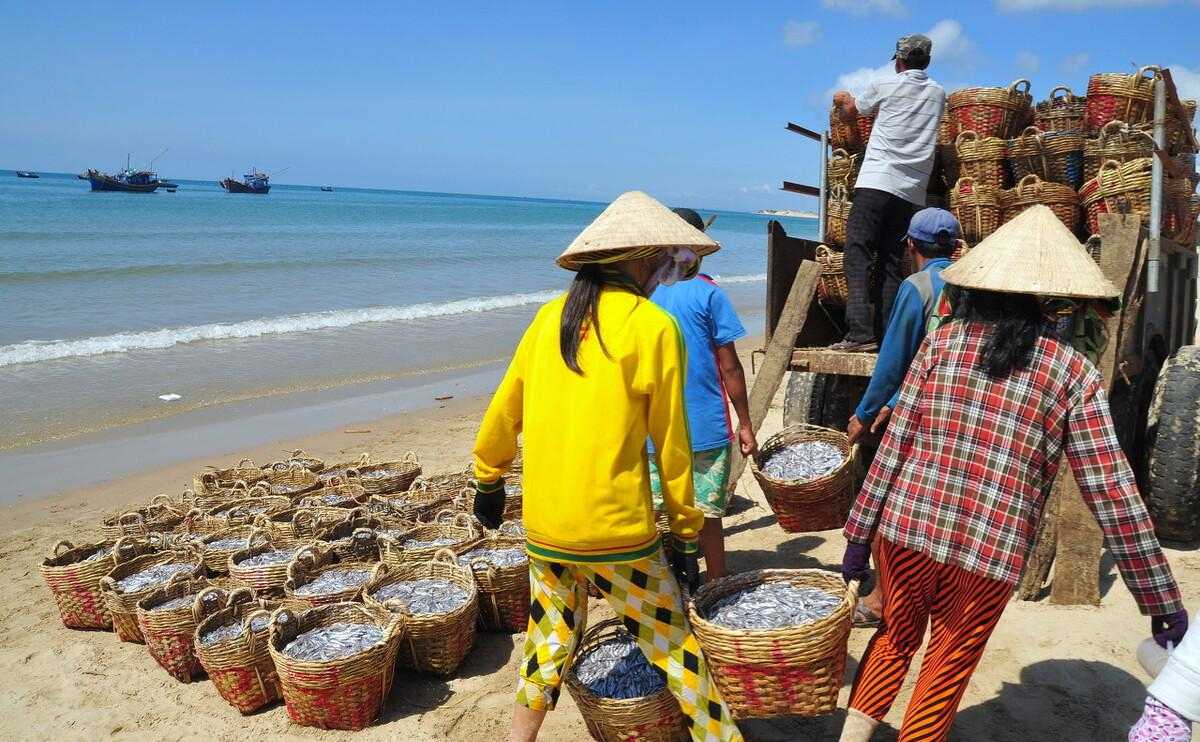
<point x="335" y="499"/>
<point x="512" y="488"/>
<point x="428" y="596"/>
<point x="335" y="581"/>
<point x="803" y="462"/>
<point x="380" y="474"/>
<point x="267" y="557"/>
<point x="100" y="553"/>
<point x="251" y="509"/>
<point x="226" y="544"/>
<point x="512" y="528"/>
<point x="512" y="556"/>
<point x="333" y="642"/>
<point x="284" y="488"/>
<point x="616" y="668"/>
<point x="173" y="603"/>
<point x="235" y="629"/>
<point x="152" y="577"/>
<point x="392" y="533"/>
<point x="772" y="605"/>
<point x="416" y="543"/>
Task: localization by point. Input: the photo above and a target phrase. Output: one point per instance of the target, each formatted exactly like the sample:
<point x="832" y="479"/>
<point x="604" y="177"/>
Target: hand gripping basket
<point x="265" y="579"/>
<point x="977" y="209"/>
<point x="992" y="112"/>
<point x="1062" y="200"/>
<point x="388" y="476"/>
<point x="1120" y="96"/>
<point x="169" y="632"/>
<point x="503" y="591"/>
<point x="448" y="524"/>
<point x="346" y="693"/>
<point x="815" y="505"/>
<point x="653" y="718"/>
<point x="312" y="562"/>
<point x="837" y="215"/>
<point x="833" y="288"/>
<point x="240" y="667"/>
<point x="75" y="581"/>
<point x="776" y="672"/>
<point x="438" y="643"/>
<point x="1055" y="157"/>
<point x="122" y="606"/>
<point x="982" y="160"/>
<point x="1117" y="189"/>
<point x="1064" y="112"/>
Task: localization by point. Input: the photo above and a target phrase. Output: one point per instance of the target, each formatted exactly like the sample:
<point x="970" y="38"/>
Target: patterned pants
<point x="961" y="609"/>
<point x="646" y="598"/>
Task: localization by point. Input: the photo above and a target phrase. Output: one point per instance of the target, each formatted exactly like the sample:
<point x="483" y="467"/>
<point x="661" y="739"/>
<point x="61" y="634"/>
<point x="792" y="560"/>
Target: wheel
<point x="1173" y="448"/>
<point x="797" y="398"/>
<point x="834" y="399"/>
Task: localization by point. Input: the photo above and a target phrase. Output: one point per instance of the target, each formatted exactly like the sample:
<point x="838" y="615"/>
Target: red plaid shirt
<point x="967" y="463"/>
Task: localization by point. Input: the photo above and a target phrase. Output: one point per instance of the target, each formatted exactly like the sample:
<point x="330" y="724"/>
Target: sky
<point x="582" y="100"/>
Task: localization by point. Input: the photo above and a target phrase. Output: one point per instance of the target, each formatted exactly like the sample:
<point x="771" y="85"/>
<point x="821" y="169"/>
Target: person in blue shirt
<point x="710" y="327"/>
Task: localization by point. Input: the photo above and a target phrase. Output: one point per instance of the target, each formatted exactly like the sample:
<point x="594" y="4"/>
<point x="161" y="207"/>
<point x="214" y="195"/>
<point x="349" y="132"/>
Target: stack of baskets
<point x="992" y="112"/>
<point x="842" y="170"/>
<point x="1055" y="157"/>
<point x="832" y="288"/>
<point x="977" y="209"/>
<point x="1061" y="113"/>
<point x="1062" y="200"/>
<point x="818" y="504"/>
<point x="1117" y="189"/>
<point x="837" y="215"/>
<point x="981" y="159"/>
<point x="777" y="672"/>
<point x="1117" y="96"/>
<point x="1117" y="142"/>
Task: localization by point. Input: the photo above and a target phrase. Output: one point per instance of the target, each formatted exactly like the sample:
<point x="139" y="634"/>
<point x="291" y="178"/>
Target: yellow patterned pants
<point x="646" y="598"/>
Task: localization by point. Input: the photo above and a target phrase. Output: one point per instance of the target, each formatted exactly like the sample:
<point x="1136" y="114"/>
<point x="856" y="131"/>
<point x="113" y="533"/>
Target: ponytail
<point x="1016" y="324"/>
<point x="583" y="299"/>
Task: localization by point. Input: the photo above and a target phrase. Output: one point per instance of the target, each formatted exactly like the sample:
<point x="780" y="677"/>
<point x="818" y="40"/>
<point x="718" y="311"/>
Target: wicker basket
<point x="992" y="112"/>
<point x="947" y="128"/>
<point x="833" y="288"/>
<point x="309" y="564"/>
<point x="291" y="479"/>
<point x="1061" y="113"/>
<point x="291" y="527"/>
<point x="169" y="633"/>
<point x="864" y="124"/>
<point x="777" y="672"/>
<point x="217" y="495"/>
<point x="1179" y="212"/>
<point x="335" y="694"/>
<point x="447" y="524"/>
<point x="435" y="644"/>
<point x="352" y="543"/>
<point x="982" y="160"/>
<point x="334" y="501"/>
<point x="843" y="134"/>
<point x="653" y="718"/>
<point x="1121" y="97"/>
<point x="837" y="214"/>
<point x="503" y="591"/>
<point x="305" y="459"/>
<point x="976" y="208"/>
<point x="162" y="514"/>
<point x="1062" y="200"/>
<point x="240" y="667"/>
<point x="1118" y="142"/>
<point x="210" y="482"/>
<point x="216" y="561"/>
<point x="123" y="606"/>
<point x="842" y="170"/>
<point x="1055" y="157"/>
<point x="264" y="579"/>
<point x="75" y="583"/>
<point x="387" y="477"/>
<point x="1117" y="189"/>
<point x="816" y="505"/>
<point x="424" y="499"/>
<point x="338" y="470"/>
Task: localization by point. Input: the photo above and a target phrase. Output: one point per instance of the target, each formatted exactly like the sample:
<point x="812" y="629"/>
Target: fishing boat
<point x="327" y="189"/>
<point x="128" y="180"/>
<point x="27" y="174"/>
<point x="82" y="176"/>
<point x="252" y="182"/>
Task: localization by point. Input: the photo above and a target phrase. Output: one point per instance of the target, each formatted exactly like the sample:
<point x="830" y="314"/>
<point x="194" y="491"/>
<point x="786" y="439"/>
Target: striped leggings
<point x="961" y="610"/>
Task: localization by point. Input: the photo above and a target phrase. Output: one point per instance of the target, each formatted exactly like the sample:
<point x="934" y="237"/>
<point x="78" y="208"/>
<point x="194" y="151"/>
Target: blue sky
<point x="573" y="100"/>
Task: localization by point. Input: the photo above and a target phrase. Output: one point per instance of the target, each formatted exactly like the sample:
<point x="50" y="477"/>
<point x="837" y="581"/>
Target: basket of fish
<point x="168" y="616"/>
<point x="423" y="500"/>
<point x="335" y="663"/>
<point x="440" y="604"/>
<point x="386" y="477"/>
<point x="262" y="564"/>
<point x="73" y="575"/>
<point x="501" y="569"/>
<point x="305" y="459"/>
<point x="231" y="645"/>
<point x="290" y="478"/>
<point x="210" y="483"/>
<point x="317" y="578"/>
<point x="807" y="475"/>
<point x="775" y="639"/>
<point x="130" y="581"/>
<point x="449" y="530"/>
<point x="217" y="547"/>
<point x="334" y="500"/>
<point x="293" y="526"/>
<point x="161" y="515"/>
<point x="619" y="693"/>
<point x="349" y="541"/>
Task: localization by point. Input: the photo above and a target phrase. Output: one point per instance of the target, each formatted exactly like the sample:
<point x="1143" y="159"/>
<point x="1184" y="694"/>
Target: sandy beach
<point x="1050" y="672"/>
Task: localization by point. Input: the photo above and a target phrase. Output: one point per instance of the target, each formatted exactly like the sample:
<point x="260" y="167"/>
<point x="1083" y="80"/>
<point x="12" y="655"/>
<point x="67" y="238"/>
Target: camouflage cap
<point x="913" y="46"/>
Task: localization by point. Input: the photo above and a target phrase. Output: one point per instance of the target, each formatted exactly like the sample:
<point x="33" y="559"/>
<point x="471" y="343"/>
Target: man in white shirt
<point x="890" y="187"/>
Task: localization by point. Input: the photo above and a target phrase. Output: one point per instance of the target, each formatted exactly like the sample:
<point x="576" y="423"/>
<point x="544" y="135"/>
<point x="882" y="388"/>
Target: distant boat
<point x="252" y="182"/>
<point x="128" y="180"/>
<point x="27" y="174"/>
<point x="82" y="176"/>
<point x="327" y="189"/>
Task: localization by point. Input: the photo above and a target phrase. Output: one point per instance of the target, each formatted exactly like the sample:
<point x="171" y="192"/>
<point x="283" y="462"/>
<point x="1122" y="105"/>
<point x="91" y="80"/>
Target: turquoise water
<point x="113" y="299"/>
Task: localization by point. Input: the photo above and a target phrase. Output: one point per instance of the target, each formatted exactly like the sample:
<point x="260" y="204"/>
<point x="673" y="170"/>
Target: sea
<point x="119" y="309"/>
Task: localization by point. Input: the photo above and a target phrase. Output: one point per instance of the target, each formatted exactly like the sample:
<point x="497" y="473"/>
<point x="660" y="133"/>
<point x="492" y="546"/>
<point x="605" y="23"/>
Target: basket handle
<point x="240" y="484"/>
<point x="208" y="601"/>
<point x="364" y="458"/>
<point x="1141" y="78"/>
<point x="131" y="543"/>
<point x="164" y="501"/>
<point x="299" y="453"/>
<point x="410" y="458"/>
<point x="362" y="540"/>
<point x="1020" y="86"/>
<point x="838" y="192"/>
<point x="131" y="518"/>
<point x="444" y="556"/>
<point x="1030" y="131"/>
<point x="262" y="487"/>
<point x="55" y="551"/>
<point x="238" y="516"/>
<point x="258" y="532"/>
<point x="968" y="135"/>
<point x="380" y="571"/>
<point x="418" y="485"/>
<point x="239" y="595"/>
<point x="483" y="565"/>
<point x="352" y="474"/>
<point x="1068" y="98"/>
<point x="823" y="251"/>
<point x="852" y="588"/>
<point x="285" y="625"/>
<point x="246" y="463"/>
<point x="965" y="180"/>
<point x="248" y="630"/>
<point x="304" y="521"/>
<point x="597" y="632"/>
<point x="1031" y="178"/>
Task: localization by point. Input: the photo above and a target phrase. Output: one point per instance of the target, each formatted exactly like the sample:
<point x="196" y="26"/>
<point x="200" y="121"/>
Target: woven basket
<point x="982" y="160"/>
<point x="123" y="606"/>
<point x="864" y="124"/>
<point x="842" y="170"/>
<point x="169" y="634"/>
<point x="818" y="504"/>
<point x="208" y="483"/>
<point x="976" y="208"/>
<point x="162" y="514"/>
<point x="75" y="584"/>
<point x="349" y="495"/>
<point x="837" y="214"/>
<point x="653" y="718"/>
<point x="240" y="667"/>
<point x="1118" y="142"/>
<point x="217" y="561"/>
<point x="1117" y="189"/>
<point x="205" y="500"/>
<point x="1061" y="113"/>
<point x="843" y="134"/>
<point x="833" y="288"/>
<point x="291" y="527"/>
<point x="386" y="477"/>
<point x="435" y="644"/>
<point x="351" y="543"/>
<point x="777" y="672"/>
<point x="336" y="694"/>
<point x="339" y="469"/>
<point x="1121" y="97"/>
<point x="503" y="591"/>
<point x="241" y="512"/>
<point x="991" y="112"/>
<point x="309" y="564"/>
<point x="305" y="459"/>
<point x="1052" y="157"/>
<point x="1179" y="198"/>
<point x="424" y="500"/>
<point x="447" y="524"/>
<point x="1062" y="200"/>
<point x="264" y="579"/>
<point x="947" y="128"/>
<point x="291" y="479"/>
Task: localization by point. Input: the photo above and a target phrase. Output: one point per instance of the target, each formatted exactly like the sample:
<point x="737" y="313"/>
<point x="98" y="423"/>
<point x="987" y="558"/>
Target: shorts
<point x="710" y="478"/>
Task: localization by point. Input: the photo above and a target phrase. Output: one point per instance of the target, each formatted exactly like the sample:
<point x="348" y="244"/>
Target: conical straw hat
<point x="633" y="225"/>
<point x="1034" y="253"/>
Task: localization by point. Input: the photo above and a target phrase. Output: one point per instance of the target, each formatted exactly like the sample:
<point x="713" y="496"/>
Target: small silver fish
<point x="802" y="462"/>
<point x="428" y="596"/>
<point x="617" y="668"/>
<point x="152" y="577"/>
<point x="333" y="642"/>
<point x="335" y="581"/>
<point x="772" y="605"/>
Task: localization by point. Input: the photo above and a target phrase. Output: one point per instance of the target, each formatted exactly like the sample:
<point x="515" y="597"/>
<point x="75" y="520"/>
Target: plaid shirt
<point x="967" y="463"/>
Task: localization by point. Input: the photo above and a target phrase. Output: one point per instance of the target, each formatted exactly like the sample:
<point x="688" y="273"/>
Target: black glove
<point x="489" y="503"/>
<point x="685" y="565"/>
<point x="856" y="565"/>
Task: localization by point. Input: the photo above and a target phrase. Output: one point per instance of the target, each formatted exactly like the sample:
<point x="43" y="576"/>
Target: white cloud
<point x="1075" y="62"/>
<point x="1187" y="81"/>
<point x="801" y="33"/>
<point x="1027" y="61"/>
<point x="1020" y="5"/>
<point x="858" y="80"/>
<point x="951" y="45"/>
<point x="894" y="8"/>
<point x="764" y="188"/>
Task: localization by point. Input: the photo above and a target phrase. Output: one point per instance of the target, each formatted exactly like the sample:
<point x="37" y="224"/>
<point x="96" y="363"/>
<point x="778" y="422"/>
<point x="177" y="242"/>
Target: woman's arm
<point x="496" y="441"/>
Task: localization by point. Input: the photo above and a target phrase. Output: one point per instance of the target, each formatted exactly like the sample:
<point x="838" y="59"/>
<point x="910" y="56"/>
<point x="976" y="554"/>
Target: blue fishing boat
<point x="252" y="182"/>
<point x="27" y="174"/>
<point x="127" y="180"/>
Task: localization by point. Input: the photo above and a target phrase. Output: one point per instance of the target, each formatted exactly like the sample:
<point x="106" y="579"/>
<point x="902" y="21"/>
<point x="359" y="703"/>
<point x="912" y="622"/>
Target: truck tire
<point x="798" y="398"/>
<point x="1173" y="448"/>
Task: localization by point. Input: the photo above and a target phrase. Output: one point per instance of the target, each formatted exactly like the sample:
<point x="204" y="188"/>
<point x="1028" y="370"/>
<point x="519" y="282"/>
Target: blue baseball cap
<point x="929" y="225"/>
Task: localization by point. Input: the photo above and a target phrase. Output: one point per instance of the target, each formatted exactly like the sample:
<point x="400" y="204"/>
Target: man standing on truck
<point x="891" y="185"/>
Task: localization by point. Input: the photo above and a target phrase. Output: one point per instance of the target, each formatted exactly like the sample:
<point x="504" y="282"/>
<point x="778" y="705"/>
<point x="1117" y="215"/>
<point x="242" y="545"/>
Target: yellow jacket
<point x="586" y="479"/>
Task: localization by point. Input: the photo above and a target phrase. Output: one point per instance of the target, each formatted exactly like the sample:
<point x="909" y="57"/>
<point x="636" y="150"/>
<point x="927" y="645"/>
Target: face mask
<point x="676" y="265"/>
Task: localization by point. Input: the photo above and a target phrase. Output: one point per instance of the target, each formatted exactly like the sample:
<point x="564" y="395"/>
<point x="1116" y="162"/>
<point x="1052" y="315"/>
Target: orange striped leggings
<point x="961" y="608"/>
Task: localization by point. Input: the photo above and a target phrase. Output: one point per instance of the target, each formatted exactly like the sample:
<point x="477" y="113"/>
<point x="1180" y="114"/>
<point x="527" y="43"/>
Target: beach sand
<point x="1050" y="672"/>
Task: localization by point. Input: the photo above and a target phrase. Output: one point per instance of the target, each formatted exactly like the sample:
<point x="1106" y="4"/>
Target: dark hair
<point x="916" y="61"/>
<point x="583" y="298"/>
<point x="931" y="250"/>
<point x="690" y="216"/>
<point x="1016" y="324"/>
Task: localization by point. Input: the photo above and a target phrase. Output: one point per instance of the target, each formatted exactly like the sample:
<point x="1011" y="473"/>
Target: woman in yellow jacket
<point x="600" y="370"/>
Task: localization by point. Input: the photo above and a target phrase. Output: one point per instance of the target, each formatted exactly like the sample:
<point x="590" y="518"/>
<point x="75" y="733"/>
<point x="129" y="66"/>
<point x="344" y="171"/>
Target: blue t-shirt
<point x="707" y="320"/>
